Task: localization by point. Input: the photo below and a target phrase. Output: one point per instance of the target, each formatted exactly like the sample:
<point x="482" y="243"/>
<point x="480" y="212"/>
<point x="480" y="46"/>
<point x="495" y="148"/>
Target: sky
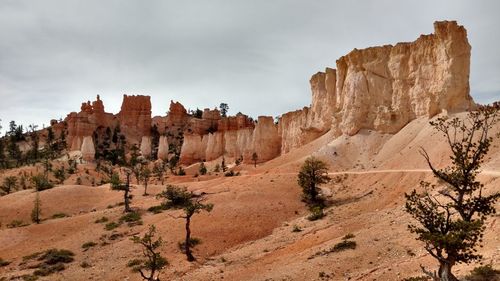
<point x="257" y="56"/>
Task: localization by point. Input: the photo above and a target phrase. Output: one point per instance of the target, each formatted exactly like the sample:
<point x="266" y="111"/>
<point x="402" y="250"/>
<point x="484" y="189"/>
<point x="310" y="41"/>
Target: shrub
<point x="484" y="273"/>
<point x="296" y="228"/>
<point x="88" y="245"/>
<point x="59" y="215"/>
<point x="41" y="182"/>
<point x="316" y="213"/>
<point x="157" y="209"/>
<point x="54" y="256"/>
<point x="111" y="225"/>
<point x="4" y="262"/>
<point x="176" y="197"/>
<point x="102" y="220"/>
<point x="16" y="223"/>
<point x="344" y="245"/>
<point x="193" y="241"/>
<point x="348" y="236"/>
<point x="132" y="218"/>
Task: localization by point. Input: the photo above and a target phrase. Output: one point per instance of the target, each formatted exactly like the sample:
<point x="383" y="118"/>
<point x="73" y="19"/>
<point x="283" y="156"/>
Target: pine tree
<point x="451" y="223"/>
<point x="36" y="213"/>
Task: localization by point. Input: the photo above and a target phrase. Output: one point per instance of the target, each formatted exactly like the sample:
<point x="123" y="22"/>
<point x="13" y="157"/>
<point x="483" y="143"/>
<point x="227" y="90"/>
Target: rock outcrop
<point x="384" y="88"/>
<point x="163" y="148"/>
<point x="379" y="88"/>
<point x="135" y="117"/>
<point x="88" y="149"/>
<point x="85" y="122"/>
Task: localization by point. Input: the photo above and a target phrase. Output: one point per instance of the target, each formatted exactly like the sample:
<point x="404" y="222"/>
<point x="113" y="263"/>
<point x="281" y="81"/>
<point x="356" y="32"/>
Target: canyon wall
<point x="384" y="88"/>
<point x="378" y="88"/>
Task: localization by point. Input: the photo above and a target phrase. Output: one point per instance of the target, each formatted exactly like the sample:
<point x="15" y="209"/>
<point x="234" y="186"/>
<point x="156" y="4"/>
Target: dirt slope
<point x="249" y="236"/>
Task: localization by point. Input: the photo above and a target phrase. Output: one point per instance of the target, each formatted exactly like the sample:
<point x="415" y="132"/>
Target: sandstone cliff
<point x="384" y="88"/>
<point x="135" y="117"/>
<point x="378" y="88"/>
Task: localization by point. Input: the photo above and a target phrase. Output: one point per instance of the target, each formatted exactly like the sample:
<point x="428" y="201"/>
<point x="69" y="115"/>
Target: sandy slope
<point x="249" y="234"/>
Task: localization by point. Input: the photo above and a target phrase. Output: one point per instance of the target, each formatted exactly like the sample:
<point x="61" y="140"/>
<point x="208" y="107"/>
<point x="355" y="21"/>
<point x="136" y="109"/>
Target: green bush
<point x="192" y="243"/>
<point x="111" y="225"/>
<point x="484" y="273"/>
<point x="59" y="216"/>
<point x="88" y="245"/>
<point x="296" y="228"/>
<point x="316" y="213"/>
<point x="344" y="245"/>
<point x="54" y="256"/>
<point x="158" y="208"/>
<point x="16" y="223"/>
<point x="132" y="218"/>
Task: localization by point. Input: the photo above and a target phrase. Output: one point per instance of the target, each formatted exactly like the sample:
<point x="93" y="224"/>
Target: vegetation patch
<point x="48" y="262"/>
<point x="111" y="225"/>
<point x="60" y="216"/>
<point x="102" y="220"/>
<point x="158" y="208"/>
<point x="344" y="245"/>
<point x="4" y="262"/>
<point x="132" y="219"/>
<point x="88" y="245"/>
<point x="16" y="223"/>
<point x="484" y="273"/>
<point x="193" y="241"/>
<point x="316" y="213"/>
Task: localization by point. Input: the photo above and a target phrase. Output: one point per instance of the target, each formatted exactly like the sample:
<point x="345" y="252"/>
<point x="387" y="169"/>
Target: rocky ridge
<point x="378" y="88"/>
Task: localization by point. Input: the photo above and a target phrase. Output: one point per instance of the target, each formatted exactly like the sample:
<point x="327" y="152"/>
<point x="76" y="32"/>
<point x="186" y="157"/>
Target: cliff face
<point x="384" y="88"/>
<point x="135" y="117"/>
<point x="379" y="88"/>
<point x="84" y="123"/>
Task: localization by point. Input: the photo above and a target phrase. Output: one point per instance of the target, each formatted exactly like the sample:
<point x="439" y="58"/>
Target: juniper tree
<point x="202" y="169"/>
<point x="255" y="157"/>
<point x="116" y="184"/>
<point x="145" y="175"/>
<point x="159" y="171"/>
<point x="451" y="221"/>
<point x="191" y="204"/>
<point x="313" y="173"/>
<point x="36" y="212"/>
<point x="154" y="262"/>
<point x="9" y="183"/>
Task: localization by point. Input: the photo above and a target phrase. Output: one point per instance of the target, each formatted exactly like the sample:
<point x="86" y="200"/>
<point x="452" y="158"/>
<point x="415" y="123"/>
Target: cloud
<point x="257" y="56"/>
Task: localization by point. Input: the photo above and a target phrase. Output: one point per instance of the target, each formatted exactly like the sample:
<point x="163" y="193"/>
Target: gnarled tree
<point x="154" y="262"/>
<point x="452" y="220"/>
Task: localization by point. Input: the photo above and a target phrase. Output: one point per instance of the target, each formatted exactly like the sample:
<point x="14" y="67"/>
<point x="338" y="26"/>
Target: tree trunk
<point x="445" y="272"/>
<point x="187" y="245"/>
<point x="126" y="197"/>
<point x="145" y="188"/>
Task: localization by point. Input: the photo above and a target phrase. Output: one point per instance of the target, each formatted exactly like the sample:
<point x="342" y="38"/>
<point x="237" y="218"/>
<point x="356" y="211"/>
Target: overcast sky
<point x="255" y="55"/>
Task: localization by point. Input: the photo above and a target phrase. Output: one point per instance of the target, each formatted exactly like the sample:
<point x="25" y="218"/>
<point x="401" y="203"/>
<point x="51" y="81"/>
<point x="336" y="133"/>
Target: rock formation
<point x="88" y="150"/>
<point x="85" y="122"/>
<point x="163" y="148"/>
<point x="379" y="88"/>
<point x="145" y="147"/>
<point x="135" y="117"/>
<point x="384" y="88"/>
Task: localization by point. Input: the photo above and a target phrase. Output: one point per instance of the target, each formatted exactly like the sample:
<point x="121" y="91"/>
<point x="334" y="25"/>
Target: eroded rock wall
<point x="384" y="88"/>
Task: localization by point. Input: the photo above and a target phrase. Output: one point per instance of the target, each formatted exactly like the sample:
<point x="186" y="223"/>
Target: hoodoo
<point x="378" y="88"/>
